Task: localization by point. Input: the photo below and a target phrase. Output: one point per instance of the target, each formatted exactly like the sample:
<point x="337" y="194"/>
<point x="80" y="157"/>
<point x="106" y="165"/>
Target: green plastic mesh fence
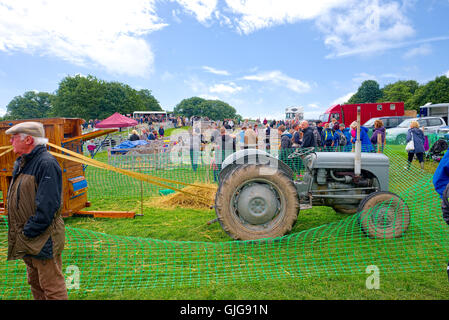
<point x="109" y="262"/>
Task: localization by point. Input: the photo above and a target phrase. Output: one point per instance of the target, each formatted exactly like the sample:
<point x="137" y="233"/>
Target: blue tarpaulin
<point x="128" y="145"/>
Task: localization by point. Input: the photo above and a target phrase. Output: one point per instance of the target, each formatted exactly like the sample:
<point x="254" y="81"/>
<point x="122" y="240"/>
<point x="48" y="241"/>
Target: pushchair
<point x="436" y="152"/>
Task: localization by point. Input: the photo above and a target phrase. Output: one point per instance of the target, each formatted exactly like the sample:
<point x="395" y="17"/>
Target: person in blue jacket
<point x="347" y="133"/>
<point x="336" y="137"/>
<point x="327" y="137"/>
<point x="441" y="185"/>
<point x="364" y="138"/>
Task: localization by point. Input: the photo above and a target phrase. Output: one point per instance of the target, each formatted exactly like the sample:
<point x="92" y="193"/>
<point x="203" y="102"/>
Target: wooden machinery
<point x="64" y="132"/>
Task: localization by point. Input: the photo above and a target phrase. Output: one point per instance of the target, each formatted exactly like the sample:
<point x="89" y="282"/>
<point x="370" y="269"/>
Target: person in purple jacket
<point x="378" y="129"/>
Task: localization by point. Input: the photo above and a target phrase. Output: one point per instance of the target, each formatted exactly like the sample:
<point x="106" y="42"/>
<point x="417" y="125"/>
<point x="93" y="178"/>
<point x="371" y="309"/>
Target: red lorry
<point x="347" y="113"/>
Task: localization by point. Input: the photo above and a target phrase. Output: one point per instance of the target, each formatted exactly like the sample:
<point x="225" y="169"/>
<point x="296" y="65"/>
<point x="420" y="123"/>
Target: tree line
<point x="410" y="92"/>
<point x="92" y="98"/>
<point x="81" y="97"/>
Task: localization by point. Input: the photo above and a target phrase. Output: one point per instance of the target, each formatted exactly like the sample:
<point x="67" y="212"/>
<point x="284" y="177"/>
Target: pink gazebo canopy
<point x="116" y="121"/>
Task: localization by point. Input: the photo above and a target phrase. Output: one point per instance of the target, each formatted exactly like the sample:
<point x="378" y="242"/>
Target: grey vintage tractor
<point x="260" y="197"/>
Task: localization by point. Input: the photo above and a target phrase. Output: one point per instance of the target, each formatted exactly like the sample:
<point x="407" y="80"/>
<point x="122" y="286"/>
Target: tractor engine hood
<point x="376" y="163"/>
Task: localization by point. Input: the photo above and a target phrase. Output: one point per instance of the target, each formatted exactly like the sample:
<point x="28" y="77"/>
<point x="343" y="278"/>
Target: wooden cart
<point x="67" y="133"/>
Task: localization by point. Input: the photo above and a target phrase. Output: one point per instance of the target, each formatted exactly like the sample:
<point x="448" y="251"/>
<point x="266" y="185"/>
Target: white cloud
<point x="278" y="78"/>
<point x="312" y="115"/>
<point x="313" y="105"/>
<point x="216" y="71"/>
<point x="422" y="50"/>
<point x="349" y="27"/>
<point x="365" y="27"/>
<point x="196" y="85"/>
<point x="447" y="74"/>
<point x="342" y="99"/>
<point x="102" y="32"/>
<point x="225" y="88"/>
<point x="252" y="15"/>
<point x="208" y="97"/>
<point x="360" y="77"/>
<point x="269" y="116"/>
<point x="392" y="76"/>
<point x="167" y="76"/>
<point x="202" y="9"/>
<point x="175" y="16"/>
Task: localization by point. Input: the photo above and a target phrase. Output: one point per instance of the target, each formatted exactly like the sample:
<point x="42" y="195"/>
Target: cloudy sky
<point x="260" y="56"/>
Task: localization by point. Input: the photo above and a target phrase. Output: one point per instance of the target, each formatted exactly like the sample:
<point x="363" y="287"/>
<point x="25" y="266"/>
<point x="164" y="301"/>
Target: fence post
<point x="379" y="143"/>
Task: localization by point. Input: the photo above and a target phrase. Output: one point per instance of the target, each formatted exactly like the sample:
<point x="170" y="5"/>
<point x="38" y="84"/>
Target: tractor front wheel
<point x="255" y="202"/>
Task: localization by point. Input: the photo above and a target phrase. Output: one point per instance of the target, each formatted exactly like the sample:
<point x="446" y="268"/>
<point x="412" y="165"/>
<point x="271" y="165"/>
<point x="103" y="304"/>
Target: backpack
<point x="328" y="135"/>
<point x="342" y="140"/>
<point x="296" y="137"/>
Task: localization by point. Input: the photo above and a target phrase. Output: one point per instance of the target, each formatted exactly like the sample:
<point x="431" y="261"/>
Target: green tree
<point x="91" y="98"/>
<point x="400" y="91"/>
<point x="189" y="107"/>
<point x="368" y="92"/>
<point x="78" y="96"/>
<point x="29" y="106"/>
<point x="436" y="91"/>
<point x="148" y="101"/>
<point x="213" y="109"/>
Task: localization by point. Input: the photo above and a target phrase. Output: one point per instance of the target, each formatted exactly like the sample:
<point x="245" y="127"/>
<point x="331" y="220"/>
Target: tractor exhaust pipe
<point x="358" y="148"/>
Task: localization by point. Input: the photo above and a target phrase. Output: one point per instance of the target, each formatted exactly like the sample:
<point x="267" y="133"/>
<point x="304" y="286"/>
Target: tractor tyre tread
<point x="241" y="173"/>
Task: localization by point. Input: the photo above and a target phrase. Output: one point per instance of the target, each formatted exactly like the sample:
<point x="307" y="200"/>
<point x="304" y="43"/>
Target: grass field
<point x="190" y="225"/>
<point x="175" y="254"/>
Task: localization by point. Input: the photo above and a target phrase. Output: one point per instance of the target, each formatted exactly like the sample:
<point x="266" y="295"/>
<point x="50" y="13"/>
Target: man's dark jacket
<point x="308" y="140"/>
<point x="35" y="226"/>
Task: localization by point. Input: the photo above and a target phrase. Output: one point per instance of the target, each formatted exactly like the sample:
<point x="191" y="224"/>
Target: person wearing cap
<point x="35" y="228"/>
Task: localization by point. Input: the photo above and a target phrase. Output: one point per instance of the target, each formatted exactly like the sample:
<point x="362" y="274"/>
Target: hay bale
<point x="179" y="199"/>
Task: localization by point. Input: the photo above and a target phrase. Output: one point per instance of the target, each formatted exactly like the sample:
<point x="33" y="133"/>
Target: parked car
<point x="443" y="132"/>
<point x="398" y="135"/>
<point x="389" y="122"/>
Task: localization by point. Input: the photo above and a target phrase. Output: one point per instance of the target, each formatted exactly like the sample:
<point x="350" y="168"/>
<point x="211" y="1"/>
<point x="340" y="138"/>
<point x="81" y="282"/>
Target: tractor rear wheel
<point x="255" y="202"/>
<point x="383" y="215"/>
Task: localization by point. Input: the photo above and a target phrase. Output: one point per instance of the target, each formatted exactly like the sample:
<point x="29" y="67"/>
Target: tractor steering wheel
<point x="301" y="152"/>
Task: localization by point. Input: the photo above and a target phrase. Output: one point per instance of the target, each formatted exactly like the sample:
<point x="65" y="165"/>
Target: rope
<point x="76" y="157"/>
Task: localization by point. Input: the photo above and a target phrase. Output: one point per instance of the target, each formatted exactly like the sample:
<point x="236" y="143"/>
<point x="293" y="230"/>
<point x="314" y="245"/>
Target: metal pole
<point x="141" y="192"/>
<point x="358" y="148"/>
<point x="379" y="143"/>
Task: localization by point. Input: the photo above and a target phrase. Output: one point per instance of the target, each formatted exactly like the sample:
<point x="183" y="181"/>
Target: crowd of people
<point x="283" y="135"/>
<point x="147" y="134"/>
<point x="149" y="120"/>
